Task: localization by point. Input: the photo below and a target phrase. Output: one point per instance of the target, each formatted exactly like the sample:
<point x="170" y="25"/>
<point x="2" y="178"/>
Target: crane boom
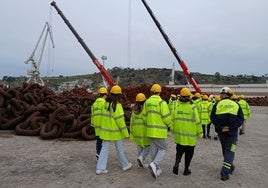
<point x="186" y="72"/>
<point x="101" y="68"/>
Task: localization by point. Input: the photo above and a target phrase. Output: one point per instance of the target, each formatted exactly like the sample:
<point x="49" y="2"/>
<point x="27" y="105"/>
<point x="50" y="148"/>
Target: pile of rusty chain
<point x="33" y="110"/>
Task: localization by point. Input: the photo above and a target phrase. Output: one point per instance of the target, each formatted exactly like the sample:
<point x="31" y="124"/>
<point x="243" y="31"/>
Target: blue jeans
<point x="102" y="162"/>
<point x="158" y="150"/>
<point x="143" y="151"/>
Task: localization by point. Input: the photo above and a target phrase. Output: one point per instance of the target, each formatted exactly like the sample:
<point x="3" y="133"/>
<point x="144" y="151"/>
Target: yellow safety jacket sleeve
<point x="138" y="131"/>
<point x="158" y="117"/>
<point x="96" y="109"/>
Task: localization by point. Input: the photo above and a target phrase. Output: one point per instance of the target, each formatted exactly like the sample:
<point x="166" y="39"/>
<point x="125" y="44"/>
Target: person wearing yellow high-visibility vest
<point x="112" y="129"/>
<point x="186" y="128"/>
<point x="227" y="117"/>
<point x="205" y="110"/>
<point x="217" y="99"/>
<point x="96" y="115"/>
<point x="197" y="99"/>
<point x="234" y="98"/>
<point x="138" y="130"/>
<point x="158" y="119"/>
<point x="246" y="111"/>
<point x="172" y="101"/>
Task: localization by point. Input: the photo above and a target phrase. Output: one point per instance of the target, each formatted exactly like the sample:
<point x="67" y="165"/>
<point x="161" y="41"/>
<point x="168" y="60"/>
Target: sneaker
<point x="127" y="167"/>
<point x="224" y="178"/>
<point x="140" y="162"/>
<point x="187" y="172"/>
<point x="99" y="172"/>
<point x="158" y="172"/>
<point x="144" y="166"/>
<point x="232" y="169"/>
<point x="152" y="168"/>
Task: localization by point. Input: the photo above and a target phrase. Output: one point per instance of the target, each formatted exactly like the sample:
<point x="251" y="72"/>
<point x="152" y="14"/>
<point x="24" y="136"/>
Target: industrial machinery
<point x="34" y="73"/>
<point x="101" y="68"/>
<point x="173" y="49"/>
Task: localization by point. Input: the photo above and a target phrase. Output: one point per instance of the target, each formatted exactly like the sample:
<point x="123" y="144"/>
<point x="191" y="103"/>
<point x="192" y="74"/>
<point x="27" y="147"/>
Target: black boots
<point x="224" y="178"/>
<point x="176" y="170"/>
<point x="232" y="169"/>
<point x="176" y="166"/>
<point x="187" y="172"/>
<point x="241" y="132"/>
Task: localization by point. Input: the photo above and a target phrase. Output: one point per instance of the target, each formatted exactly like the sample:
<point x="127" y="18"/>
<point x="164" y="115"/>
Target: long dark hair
<point x="185" y="99"/>
<point x="113" y="99"/>
<point x="137" y="108"/>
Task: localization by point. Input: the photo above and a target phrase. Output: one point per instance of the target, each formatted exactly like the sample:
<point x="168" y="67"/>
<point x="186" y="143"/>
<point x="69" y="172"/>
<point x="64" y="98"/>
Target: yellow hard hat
<point x="102" y="90"/>
<point x="226" y="90"/>
<point x="185" y="92"/>
<point x="242" y="96"/>
<point x="156" y="88"/>
<point x="116" y="90"/>
<point x="140" y="97"/>
<point x="217" y="98"/>
<point x="198" y="95"/>
<point x="205" y="97"/>
<point x="234" y="97"/>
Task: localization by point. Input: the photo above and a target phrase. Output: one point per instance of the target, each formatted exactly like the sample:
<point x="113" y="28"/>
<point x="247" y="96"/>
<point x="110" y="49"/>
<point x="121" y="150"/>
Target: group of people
<point x="185" y="115"/>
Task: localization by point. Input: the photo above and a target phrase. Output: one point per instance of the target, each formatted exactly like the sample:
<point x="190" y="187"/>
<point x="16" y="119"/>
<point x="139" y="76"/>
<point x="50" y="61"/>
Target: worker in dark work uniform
<point x="227" y="117"/>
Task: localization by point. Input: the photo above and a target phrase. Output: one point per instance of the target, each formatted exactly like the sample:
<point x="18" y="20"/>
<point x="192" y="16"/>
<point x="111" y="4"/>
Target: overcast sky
<point x="225" y="36"/>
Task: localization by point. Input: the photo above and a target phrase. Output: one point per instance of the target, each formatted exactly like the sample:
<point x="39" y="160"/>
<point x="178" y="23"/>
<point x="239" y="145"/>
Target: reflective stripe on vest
<point x="113" y="125"/>
<point x="186" y="124"/>
<point x="138" y="129"/>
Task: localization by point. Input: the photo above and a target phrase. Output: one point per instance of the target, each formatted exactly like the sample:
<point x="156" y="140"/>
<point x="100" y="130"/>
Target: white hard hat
<point x="226" y="90"/>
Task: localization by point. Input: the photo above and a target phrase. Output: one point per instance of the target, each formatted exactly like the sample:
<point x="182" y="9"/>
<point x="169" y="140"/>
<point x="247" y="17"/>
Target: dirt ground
<point x="31" y="162"/>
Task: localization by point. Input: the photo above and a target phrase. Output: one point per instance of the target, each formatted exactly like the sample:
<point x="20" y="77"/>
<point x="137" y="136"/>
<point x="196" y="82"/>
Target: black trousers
<point x="206" y="132"/>
<point x="188" y="151"/>
<point x="98" y="144"/>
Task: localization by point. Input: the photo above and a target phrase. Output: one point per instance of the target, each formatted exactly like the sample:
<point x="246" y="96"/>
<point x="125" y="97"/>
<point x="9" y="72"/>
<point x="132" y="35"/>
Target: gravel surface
<point x="32" y="162"/>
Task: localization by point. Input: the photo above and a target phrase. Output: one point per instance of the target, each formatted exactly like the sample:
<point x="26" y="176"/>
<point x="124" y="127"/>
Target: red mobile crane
<point x="101" y="68"/>
<point x="173" y="49"/>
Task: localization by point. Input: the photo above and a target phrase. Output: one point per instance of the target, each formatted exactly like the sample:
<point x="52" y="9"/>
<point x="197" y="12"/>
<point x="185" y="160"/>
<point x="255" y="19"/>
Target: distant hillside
<point x="137" y="77"/>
